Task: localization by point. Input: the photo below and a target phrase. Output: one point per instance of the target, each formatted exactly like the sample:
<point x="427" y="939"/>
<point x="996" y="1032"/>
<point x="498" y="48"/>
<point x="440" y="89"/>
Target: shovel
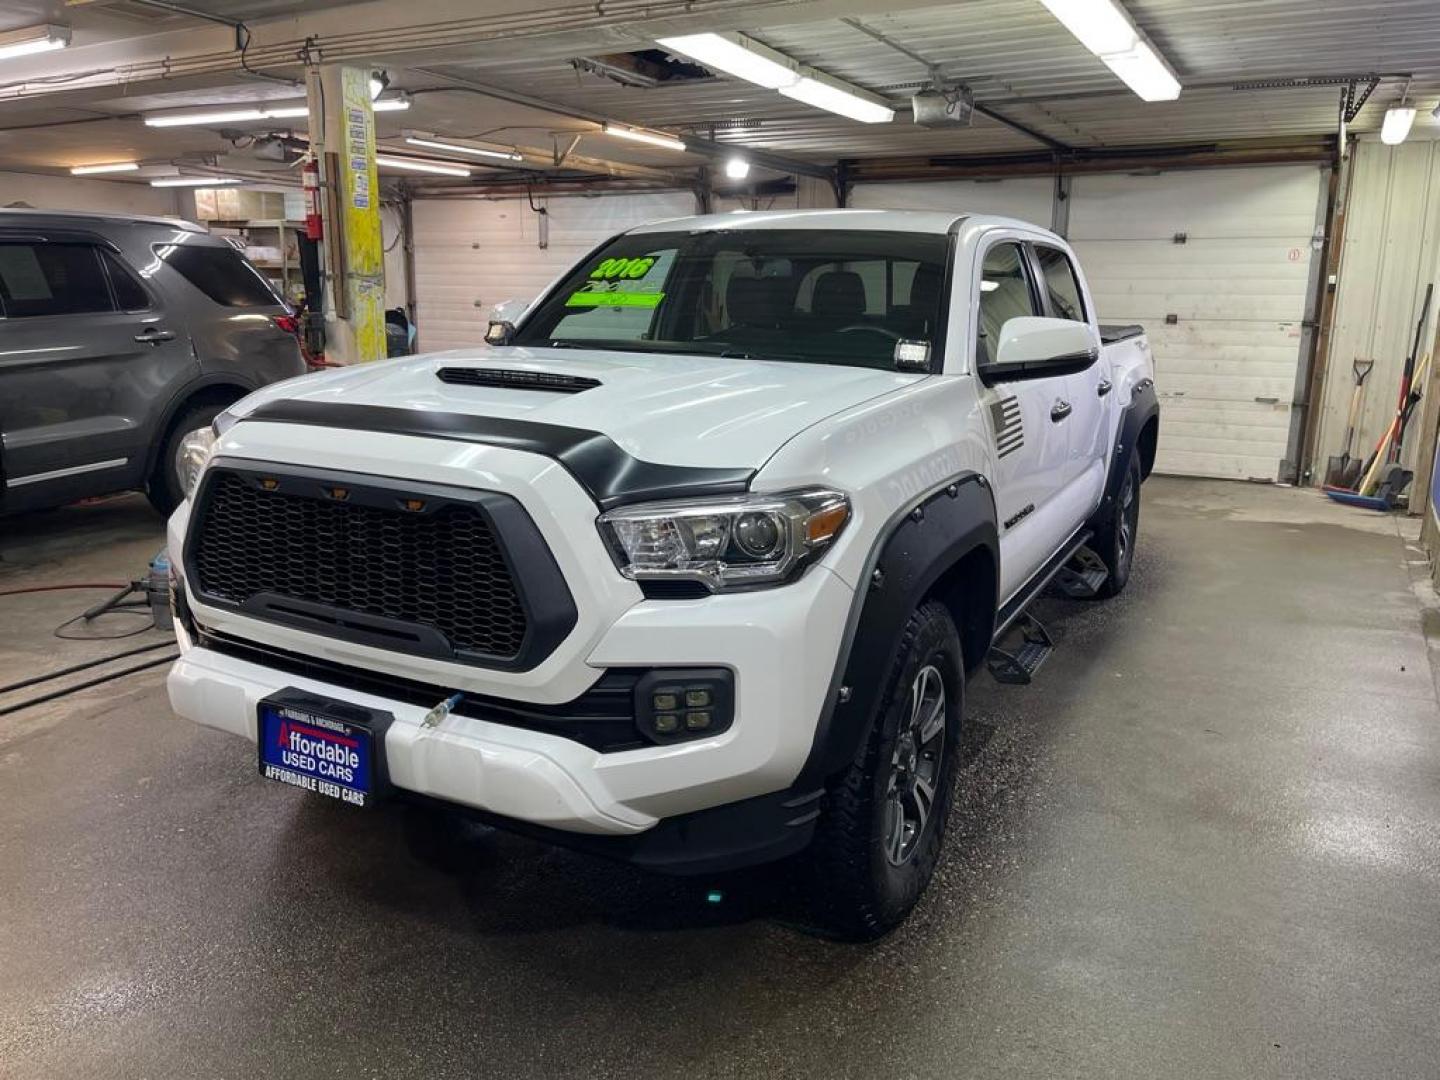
<point x="1344" y="470"/>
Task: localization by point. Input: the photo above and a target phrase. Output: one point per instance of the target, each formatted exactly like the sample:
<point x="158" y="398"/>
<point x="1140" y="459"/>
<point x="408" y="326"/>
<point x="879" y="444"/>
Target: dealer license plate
<point x="329" y="747"/>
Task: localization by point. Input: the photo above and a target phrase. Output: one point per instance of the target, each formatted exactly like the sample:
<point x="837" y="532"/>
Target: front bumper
<point x="780" y="644"/>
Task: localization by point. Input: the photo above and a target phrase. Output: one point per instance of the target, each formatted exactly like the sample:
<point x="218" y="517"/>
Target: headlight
<point x="732" y="543"/>
<point x="195" y="451"/>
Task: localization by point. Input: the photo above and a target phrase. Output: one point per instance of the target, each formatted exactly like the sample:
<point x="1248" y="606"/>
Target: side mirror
<point x="1032" y="346"/>
<point x="503" y="318"/>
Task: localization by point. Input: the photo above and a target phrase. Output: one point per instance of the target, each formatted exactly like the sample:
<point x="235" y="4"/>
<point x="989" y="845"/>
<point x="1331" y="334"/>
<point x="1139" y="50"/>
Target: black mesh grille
<point x="443" y="569"/>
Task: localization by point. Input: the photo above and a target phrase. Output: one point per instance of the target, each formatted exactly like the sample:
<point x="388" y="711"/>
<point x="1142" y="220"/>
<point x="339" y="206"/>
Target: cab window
<point x="1062" y="288"/>
<point x="1006" y="292"/>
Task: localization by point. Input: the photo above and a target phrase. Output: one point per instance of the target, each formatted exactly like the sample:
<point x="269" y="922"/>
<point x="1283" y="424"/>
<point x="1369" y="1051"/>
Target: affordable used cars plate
<point x="329" y="747"/>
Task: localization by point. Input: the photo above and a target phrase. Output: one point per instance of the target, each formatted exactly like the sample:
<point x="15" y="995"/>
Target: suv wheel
<point x="879" y="837"/>
<point x="1115" y="542"/>
<point x="166" y="488"/>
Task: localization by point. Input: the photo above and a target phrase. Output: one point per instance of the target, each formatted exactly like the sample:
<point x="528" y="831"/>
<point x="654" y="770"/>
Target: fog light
<point x="672" y="705"/>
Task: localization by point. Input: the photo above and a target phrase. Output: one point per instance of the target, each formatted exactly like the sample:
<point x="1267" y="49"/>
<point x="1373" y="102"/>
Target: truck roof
<point x="921" y="221"/>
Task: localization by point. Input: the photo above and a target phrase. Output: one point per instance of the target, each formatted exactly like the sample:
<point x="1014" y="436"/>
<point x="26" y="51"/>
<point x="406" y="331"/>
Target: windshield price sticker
<point x="599" y="298"/>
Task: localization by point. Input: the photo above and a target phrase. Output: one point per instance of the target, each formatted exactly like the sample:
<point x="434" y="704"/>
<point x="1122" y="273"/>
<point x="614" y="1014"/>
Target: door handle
<point x="154" y="336"/>
<point x="1104" y="388"/>
<point x="1060" y="410"/>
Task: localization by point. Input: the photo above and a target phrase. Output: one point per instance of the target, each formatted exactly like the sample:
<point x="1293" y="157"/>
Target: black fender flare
<point x="1143" y="408"/>
<point x="918" y="545"/>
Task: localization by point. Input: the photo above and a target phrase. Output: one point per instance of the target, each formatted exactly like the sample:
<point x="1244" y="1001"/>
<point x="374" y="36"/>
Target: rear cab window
<point x="221" y="273"/>
<point x="1062" y="287"/>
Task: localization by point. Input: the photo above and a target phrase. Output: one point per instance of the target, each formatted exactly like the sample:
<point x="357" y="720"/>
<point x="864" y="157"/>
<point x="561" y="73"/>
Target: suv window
<point x="221" y="273"/>
<point x="1061" y="284"/>
<point x="130" y="295"/>
<point x="51" y="279"/>
<point x="1005" y="294"/>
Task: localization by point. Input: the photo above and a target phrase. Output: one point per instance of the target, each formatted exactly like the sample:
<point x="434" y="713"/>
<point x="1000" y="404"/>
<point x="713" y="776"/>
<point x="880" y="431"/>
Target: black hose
<point x="81" y="667"/>
<point x="86" y="685"/>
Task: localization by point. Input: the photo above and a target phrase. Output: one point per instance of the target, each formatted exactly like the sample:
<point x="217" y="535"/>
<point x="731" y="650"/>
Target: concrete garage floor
<point x="1205" y="844"/>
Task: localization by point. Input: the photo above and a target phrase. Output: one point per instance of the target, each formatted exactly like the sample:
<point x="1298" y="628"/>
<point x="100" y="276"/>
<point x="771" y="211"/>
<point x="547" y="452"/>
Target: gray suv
<point x="119" y="336"/>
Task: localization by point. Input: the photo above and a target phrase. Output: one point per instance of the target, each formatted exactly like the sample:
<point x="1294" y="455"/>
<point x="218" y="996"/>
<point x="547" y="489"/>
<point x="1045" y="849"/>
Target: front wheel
<point x="879" y="836"/>
<point x="1114" y="542"/>
<point x="166" y="489"/>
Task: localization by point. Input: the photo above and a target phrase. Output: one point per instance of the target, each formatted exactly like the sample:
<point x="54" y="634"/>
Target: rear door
<point x="85" y="350"/>
<point x="1027" y="427"/>
<point x="1087" y="391"/>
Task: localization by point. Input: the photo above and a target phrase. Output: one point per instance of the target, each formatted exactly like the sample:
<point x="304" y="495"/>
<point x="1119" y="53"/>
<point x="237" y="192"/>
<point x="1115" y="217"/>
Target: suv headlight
<point x="733" y="543"/>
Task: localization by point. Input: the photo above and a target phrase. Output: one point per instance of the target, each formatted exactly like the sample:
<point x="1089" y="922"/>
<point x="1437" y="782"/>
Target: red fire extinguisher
<point x="310" y="179"/>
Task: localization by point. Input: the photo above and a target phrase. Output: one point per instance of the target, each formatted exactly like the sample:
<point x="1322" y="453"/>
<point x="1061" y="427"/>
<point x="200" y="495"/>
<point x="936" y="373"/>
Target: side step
<point x="1082" y="577"/>
<point x="1018" y="666"/>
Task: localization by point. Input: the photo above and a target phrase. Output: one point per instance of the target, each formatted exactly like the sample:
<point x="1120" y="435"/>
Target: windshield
<point x="810" y="296"/>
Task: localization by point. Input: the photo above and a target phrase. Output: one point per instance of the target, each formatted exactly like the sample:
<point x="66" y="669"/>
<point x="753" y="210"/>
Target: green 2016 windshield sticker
<point x="615" y="299"/>
<point x="622" y="269"/>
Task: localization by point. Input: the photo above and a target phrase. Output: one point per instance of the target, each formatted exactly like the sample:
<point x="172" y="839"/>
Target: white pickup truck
<point x="690" y="565"/>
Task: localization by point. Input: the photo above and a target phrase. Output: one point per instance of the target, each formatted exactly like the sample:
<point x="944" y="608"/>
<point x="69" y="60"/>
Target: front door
<point x="1028" y="420"/>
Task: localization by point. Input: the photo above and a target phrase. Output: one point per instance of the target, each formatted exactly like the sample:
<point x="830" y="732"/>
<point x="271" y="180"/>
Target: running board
<point x="1018" y="666"/>
<point x="1016" y="605"/>
<point x="1082" y="577"/>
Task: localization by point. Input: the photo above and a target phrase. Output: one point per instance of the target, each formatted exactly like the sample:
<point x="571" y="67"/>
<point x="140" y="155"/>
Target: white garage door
<point x="471" y="254"/>
<point x="1028" y="198"/>
<point x="1237" y="289"/>
<point x="1224" y="307"/>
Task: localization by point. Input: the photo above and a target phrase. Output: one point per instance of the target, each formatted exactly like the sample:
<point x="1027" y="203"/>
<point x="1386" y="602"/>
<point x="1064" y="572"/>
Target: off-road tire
<point x="858" y="892"/>
<point x="1114" y="542"/>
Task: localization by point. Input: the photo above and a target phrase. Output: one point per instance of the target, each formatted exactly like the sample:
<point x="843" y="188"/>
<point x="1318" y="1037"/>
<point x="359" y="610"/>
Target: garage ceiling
<point x="130" y="56"/>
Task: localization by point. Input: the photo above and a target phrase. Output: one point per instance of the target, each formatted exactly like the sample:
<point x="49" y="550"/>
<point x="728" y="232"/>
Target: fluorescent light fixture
<point x="91" y="170"/>
<point x="217" y="116"/>
<point x="823" y="92"/>
<point x="1145" y="72"/>
<point x="651" y="138"/>
<point x="33" y="39"/>
<point x="1099" y="24"/>
<point x="738" y="55"/>
<point x="1104" y="28"/>
<point x="1396" y="127"/>
<point x="392" y="104"/>
<point x="737" y="168"/>
<point x="194" y="181"/>
<point x="415" y="165"/>
<point x="287" y="113"/>
<point x="459" y="148"/>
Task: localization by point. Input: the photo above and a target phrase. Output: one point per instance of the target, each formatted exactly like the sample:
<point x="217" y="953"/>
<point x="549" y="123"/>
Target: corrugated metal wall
<point x="1391" y="250"/>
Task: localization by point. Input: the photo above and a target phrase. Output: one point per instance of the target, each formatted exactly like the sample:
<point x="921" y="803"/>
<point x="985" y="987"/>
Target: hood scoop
<point x="515" y="379"/>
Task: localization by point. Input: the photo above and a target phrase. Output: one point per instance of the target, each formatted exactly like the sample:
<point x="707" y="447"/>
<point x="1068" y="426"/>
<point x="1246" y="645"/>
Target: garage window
<point x="1061" y="285"/>
<point x="221" y="273"/>
<point x="52" y="279"/>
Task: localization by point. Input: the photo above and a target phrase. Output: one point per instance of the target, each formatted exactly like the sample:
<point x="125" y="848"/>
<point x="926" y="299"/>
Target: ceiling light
<point x="1099" y="24"/>
<point x="458" y="148"/>
<point x="1396" y="128"/>
<point x="33" y="39"/>
<point x="738" y="55"/>
<point x="737" y="168"/>
<point x="90" y="170"/>
<point x="1104" y="28"/>
<point x="391" y="104"/>
<point x="1144" y="71"/>
<point x="194" y="181"/>
<point x="820" y="90"/>
<point x="652" y="138"/>
<point x="218" y="116"/>
<point x="415" y="165"/>
<point x="287" y="113"/>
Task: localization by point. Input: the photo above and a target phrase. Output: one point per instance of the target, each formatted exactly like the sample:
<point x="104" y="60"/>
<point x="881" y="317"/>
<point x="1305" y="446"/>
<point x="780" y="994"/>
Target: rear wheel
<point x="166" y="489"/>
<point x="879" y="837"/>
<point x="1115" y="541"/>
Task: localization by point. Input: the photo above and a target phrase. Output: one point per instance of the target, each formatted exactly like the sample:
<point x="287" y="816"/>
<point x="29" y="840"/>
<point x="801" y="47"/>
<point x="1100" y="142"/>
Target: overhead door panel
<point x="471" y="254"/>
<point x="1028" y="198"/>
<point x="1216" y="265"/>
